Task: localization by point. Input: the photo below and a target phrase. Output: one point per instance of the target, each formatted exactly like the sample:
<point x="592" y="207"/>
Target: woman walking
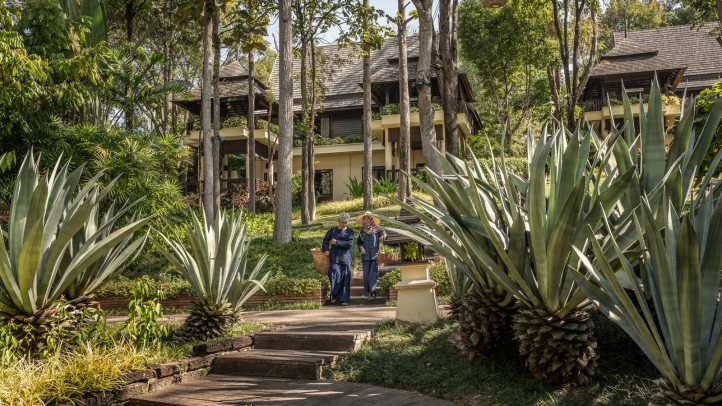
<point x="337" y="245"/>
<point x="369" y="239"/>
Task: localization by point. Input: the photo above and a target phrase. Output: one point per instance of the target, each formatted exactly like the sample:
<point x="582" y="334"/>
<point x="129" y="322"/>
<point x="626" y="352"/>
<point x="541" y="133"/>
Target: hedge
<point x="175" y="287"/>
<point x="437" y="273"/>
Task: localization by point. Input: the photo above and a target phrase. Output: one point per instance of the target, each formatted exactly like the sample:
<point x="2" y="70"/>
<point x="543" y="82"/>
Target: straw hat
<point x="360" y="218"/>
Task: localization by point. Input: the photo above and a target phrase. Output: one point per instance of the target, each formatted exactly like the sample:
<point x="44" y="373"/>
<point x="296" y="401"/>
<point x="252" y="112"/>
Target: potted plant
<point x="387" y="254"/>
<point x="411" y="251"/>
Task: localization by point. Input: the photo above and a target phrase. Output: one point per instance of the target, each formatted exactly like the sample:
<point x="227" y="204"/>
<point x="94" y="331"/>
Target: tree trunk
<point x="311" y="126"/>
<point x="282" y="232"/>
<point x="405" y="120"/>
<point x="251" y="121"/>
<point x="166" y="68"/>
<point x="368" y="134"/>
<point x="449" y="77"/>
<point x="306" y="179"/>
<point x="129" y="17"/>
<point x="216" y="109"/>
<point x="423" y="85"/>
<point x="208" y="174"/>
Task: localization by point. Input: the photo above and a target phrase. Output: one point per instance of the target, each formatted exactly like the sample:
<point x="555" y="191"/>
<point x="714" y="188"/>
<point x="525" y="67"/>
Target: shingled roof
<point x="626" y="47"/>
<point x="682" y="45"/>
<point x="343" y="79"/>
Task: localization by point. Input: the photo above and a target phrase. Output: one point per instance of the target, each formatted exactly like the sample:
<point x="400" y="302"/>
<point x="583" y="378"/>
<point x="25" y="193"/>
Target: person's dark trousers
<point x="340" y="277"/>
<point x="371" y="275"/>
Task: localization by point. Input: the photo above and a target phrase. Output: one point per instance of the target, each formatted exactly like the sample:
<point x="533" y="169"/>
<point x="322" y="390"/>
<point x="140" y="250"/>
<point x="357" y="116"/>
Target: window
<point x="323" y="183"/>
<point x="377" y="172"/>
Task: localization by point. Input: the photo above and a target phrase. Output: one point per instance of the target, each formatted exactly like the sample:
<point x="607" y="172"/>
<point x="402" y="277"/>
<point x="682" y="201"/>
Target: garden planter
<point x="387" y="258"/>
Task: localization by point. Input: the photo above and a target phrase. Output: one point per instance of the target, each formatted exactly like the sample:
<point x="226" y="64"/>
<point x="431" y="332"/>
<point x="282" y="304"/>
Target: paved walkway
<point x="225" y="390"/>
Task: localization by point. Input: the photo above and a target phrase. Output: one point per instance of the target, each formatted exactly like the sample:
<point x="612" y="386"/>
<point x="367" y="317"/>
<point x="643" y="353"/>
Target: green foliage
<point x="482" y="202"/>
<point x="216" y="265"/>
<point x="681" y="274"/>
<point x="33" y="281"/>
<point x="390" y="279"/>
<point x="385" y="186"/>
<point x="354" y="139"/>
<point x="231" y="122"/>
<point x="411" y="251"/>
<point x="173" y="287"/>
<point x="506" y="52"/>
<point x="420" y="359"/>
<point x="390" y="109"/>
<point x="704" y="103"/>
<point x="264" y="125"/>
<point x="144" y="312"/>
<point x="670" y="100"/>
<point x="288" y="286"/>
<point x="387" y="249"/>
<point x="355" y="187"/>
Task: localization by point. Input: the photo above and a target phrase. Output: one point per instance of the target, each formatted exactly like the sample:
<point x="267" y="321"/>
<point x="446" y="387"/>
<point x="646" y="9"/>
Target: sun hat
<point x="360" y="218"/>
<point x="344" y="217"/>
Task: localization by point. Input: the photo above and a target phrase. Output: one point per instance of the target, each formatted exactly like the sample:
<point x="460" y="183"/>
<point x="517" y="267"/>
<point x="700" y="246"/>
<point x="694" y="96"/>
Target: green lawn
<point x="421" y="359"/>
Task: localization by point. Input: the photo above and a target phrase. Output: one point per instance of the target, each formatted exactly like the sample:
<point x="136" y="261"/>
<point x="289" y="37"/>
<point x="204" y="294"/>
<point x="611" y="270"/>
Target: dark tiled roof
<point x="227" y="89"/>
<point x="619" y="66"/>
<point x="233" y="70"/>
<point x="388" y="75"/>
<point x="347" y="69"/>
<point x="627" y="47"/>
<point x="682" y="46"/>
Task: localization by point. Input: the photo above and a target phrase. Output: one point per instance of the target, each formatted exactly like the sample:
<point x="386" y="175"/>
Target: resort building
<point x="338" y="123"/>
<point x="682" y="57"/>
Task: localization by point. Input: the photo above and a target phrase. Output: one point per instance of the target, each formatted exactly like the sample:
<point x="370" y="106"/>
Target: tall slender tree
<point x="216" y="106"/>
<point x="209" y="175"/>
<point x="312" y="19"/>
<point x="365" y="33"/>
<point x="404" y="106"/>
<point x="282" y="232"/>
<point x="569" y="16"/>
<point x="424" y="9"/>
<point x="448" y="75"/>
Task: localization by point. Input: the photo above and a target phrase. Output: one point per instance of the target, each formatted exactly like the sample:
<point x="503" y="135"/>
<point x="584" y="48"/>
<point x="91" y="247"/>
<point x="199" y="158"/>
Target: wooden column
<point x="388" y="158"/>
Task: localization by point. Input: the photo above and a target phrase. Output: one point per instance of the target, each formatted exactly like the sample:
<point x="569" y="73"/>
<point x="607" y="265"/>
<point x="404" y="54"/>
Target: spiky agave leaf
<point x="684" y="268"/>
<point x="46" y="213"/>
<point x="514" y="236"/>
<point x="216" y="268"/>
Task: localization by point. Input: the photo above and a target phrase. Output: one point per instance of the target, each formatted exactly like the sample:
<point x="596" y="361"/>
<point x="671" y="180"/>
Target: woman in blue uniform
<point x="337" y="245"/>
<point x="370" y="238"/>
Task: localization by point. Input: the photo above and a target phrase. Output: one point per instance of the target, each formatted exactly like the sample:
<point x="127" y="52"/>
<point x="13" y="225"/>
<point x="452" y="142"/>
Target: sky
<point x="389" y="6"/>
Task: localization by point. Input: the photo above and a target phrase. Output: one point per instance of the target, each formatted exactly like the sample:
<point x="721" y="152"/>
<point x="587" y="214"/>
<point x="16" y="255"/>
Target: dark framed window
<point x="377" y="172"/>
<point x="323" y="183"/>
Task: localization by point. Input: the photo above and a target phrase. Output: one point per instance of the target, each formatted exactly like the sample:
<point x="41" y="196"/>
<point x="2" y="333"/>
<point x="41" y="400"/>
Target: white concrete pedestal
<point x="416" y="303"/>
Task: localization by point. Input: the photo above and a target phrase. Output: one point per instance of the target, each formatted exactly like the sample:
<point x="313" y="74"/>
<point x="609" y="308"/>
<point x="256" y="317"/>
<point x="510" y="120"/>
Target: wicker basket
<point x="387" y="258"/>
<point x="320" y="260"/>
<point x="494" y="3"/>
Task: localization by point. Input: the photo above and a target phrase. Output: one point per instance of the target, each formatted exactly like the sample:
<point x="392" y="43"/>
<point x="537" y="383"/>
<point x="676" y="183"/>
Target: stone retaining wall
<point x="171" y="373"/>
<point x="185" y="301"/>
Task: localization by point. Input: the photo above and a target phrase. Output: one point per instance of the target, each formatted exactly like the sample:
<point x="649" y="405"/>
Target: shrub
<point x="390" y="109"/>
<point x="296" y="287"/>
<point x="234" y="122"/>
<point x="354" y="139"/>
<point x="144" y="312"/>
<point x="437" y="273"/>
<point x="385" y="186"/>
<point x="173" y="287"/>
<point x="264" y="125"/>
<point x="237" y="198"/>
<point x="390" y="279"/>
<point x="355" y="187"/>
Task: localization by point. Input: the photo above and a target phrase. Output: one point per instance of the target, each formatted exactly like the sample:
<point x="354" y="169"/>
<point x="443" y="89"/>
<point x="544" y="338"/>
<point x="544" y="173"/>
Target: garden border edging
<point x="170" y="373"/>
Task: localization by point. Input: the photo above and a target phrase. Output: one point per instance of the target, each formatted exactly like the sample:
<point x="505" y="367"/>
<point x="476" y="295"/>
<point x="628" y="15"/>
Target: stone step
<point x="363" y="300"/>
<point x="276" y="363"/>
<point x="311" y="340"/>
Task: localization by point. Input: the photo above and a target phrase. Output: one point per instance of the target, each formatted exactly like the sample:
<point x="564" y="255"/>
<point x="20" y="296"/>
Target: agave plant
<point x="113" y="262"/>
<point x="216" y="269"/>
<point x="658" y="169"/>
<point x="46" y="213"/>
<point x="684" y="264"/>
<point x="513" y="239"/>
<point x="355" y="187"/>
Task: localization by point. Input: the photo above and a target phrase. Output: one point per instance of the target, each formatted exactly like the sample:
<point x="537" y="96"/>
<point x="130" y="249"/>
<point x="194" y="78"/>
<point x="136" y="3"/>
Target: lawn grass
<point x="421" y="359"/>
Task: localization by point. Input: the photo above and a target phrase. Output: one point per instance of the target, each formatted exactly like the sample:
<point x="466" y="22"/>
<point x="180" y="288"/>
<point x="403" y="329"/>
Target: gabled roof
<point x="633" y="65"/>
<point x="233" y="70"/>
<point x="347" y="69"/>
<point x="627" y="48"/>
<point x="681" y="45"/>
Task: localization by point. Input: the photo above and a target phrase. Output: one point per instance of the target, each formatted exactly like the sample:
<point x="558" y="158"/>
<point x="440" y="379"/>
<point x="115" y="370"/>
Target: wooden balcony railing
<point x="197" y="187"/>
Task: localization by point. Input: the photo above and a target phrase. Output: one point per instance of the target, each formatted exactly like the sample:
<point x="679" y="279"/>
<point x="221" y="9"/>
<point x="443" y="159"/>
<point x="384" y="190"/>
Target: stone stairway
<point x="358" y="297"/>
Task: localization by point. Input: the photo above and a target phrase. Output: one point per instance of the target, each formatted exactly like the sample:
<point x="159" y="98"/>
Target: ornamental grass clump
<point x="216" y="269"/>
<point x="681" y="333"/>
<point x="512" y="239"/>
<point x="45" y="256"/>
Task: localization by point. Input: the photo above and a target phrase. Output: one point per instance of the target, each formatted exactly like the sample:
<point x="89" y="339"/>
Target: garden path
<point x="286" y="366"/>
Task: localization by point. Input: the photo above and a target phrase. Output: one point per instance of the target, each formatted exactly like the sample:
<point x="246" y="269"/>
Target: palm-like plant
<point x="513" y="239"/>
<point x="46" y="214"/>
<point x="683" y="264"/>
<point x="216" y="269"/>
